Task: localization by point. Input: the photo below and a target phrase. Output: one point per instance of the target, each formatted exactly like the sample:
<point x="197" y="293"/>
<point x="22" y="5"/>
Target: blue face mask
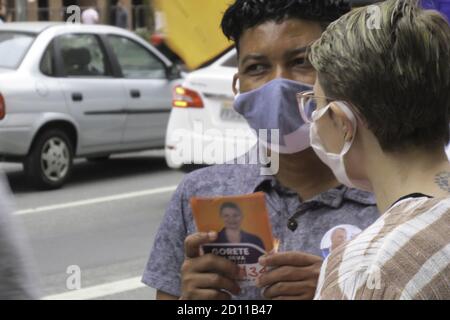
<point x="274" y="106"/>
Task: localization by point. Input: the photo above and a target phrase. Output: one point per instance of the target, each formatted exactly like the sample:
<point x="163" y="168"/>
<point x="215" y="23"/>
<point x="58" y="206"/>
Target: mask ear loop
<point x="342" y="105"/>
<point x="317" y="114"/>
<point x="355" y="119"/>
<point x="235" y="85"/>
<point x="351" y="116"/>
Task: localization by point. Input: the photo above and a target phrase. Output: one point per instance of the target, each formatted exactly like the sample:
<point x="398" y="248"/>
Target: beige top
<point x="405" y="254"/>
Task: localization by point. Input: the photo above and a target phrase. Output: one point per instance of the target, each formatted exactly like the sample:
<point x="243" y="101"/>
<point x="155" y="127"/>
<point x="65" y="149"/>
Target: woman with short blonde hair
<point x="379" y="118"/>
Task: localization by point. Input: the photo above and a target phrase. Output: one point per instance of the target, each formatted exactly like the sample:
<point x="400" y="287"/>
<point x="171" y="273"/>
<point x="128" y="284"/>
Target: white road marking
<point x="99" y="291"/>
<point x="97" y="200"/>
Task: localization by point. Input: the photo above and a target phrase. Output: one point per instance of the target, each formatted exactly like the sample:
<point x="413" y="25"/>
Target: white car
<point x="72" y="90"/>
<point x="203" y="126"/>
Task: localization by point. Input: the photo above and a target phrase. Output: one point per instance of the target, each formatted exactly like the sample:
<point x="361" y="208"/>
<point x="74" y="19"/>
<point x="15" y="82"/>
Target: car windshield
<point x="13" y="47"/>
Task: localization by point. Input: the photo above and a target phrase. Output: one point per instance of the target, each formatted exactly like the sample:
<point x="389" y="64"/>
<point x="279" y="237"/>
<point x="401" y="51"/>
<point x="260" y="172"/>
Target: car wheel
<point x="49" y="163"/>
<point x="98" y="159"/>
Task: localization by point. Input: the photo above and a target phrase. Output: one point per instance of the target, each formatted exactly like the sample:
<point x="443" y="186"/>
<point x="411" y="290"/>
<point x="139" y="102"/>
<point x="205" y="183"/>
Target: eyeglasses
<point x="308" y="103"/>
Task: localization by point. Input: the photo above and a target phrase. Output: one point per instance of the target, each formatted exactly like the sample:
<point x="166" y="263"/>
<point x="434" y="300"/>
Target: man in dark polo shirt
<point x="303" y="197"/>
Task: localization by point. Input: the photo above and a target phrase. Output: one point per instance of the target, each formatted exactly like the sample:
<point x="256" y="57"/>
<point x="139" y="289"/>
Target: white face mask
<point x="336" y="162"/>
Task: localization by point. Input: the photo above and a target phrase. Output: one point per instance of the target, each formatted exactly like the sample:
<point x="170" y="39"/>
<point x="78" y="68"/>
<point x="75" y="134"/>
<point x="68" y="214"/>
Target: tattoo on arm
<point x="442" y="179"/>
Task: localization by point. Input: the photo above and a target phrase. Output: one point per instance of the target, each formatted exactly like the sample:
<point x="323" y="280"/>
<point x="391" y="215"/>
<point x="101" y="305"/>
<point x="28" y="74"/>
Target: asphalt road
<point x="103" y="221"/>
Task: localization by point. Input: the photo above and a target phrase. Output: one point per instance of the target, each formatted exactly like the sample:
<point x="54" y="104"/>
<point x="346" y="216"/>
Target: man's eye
<point x="301" y="62"/>
<point x="255" y="68"/>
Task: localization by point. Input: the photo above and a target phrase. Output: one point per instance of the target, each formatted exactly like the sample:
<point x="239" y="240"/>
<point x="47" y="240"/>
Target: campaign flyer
<point x="243" y="227"/>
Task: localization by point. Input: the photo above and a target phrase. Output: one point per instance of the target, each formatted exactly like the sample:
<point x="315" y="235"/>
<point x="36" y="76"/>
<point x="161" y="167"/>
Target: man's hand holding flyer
<point x="243" y="231"/>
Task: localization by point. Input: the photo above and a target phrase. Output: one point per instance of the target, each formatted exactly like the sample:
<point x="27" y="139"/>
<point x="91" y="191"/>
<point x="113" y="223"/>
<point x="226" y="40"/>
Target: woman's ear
<point x="235" y="85"/>
<point x="343" y="122"/>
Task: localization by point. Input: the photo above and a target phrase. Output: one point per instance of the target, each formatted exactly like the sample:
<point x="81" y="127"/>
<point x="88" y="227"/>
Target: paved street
<point x="104" y="221"/>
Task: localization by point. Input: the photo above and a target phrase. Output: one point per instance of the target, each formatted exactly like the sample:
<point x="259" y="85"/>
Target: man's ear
<point x="235" y="84"/>
<point x="343" y="122"/>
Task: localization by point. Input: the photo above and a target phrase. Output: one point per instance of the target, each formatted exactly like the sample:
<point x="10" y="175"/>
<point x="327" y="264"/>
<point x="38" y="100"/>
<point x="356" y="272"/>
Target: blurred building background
<point x="186" y="31"/>
<point x="140" y="12"/>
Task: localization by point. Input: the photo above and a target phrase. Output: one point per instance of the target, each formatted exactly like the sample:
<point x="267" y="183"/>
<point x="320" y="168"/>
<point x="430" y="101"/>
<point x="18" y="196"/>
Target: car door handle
<point x="136" y="94"/>
<point x="76" y="96"/>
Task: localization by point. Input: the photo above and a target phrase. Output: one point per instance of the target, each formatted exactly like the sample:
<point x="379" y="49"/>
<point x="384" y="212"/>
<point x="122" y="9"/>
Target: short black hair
<point x="230" y="205"/>
<point x="246" y="14"/>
